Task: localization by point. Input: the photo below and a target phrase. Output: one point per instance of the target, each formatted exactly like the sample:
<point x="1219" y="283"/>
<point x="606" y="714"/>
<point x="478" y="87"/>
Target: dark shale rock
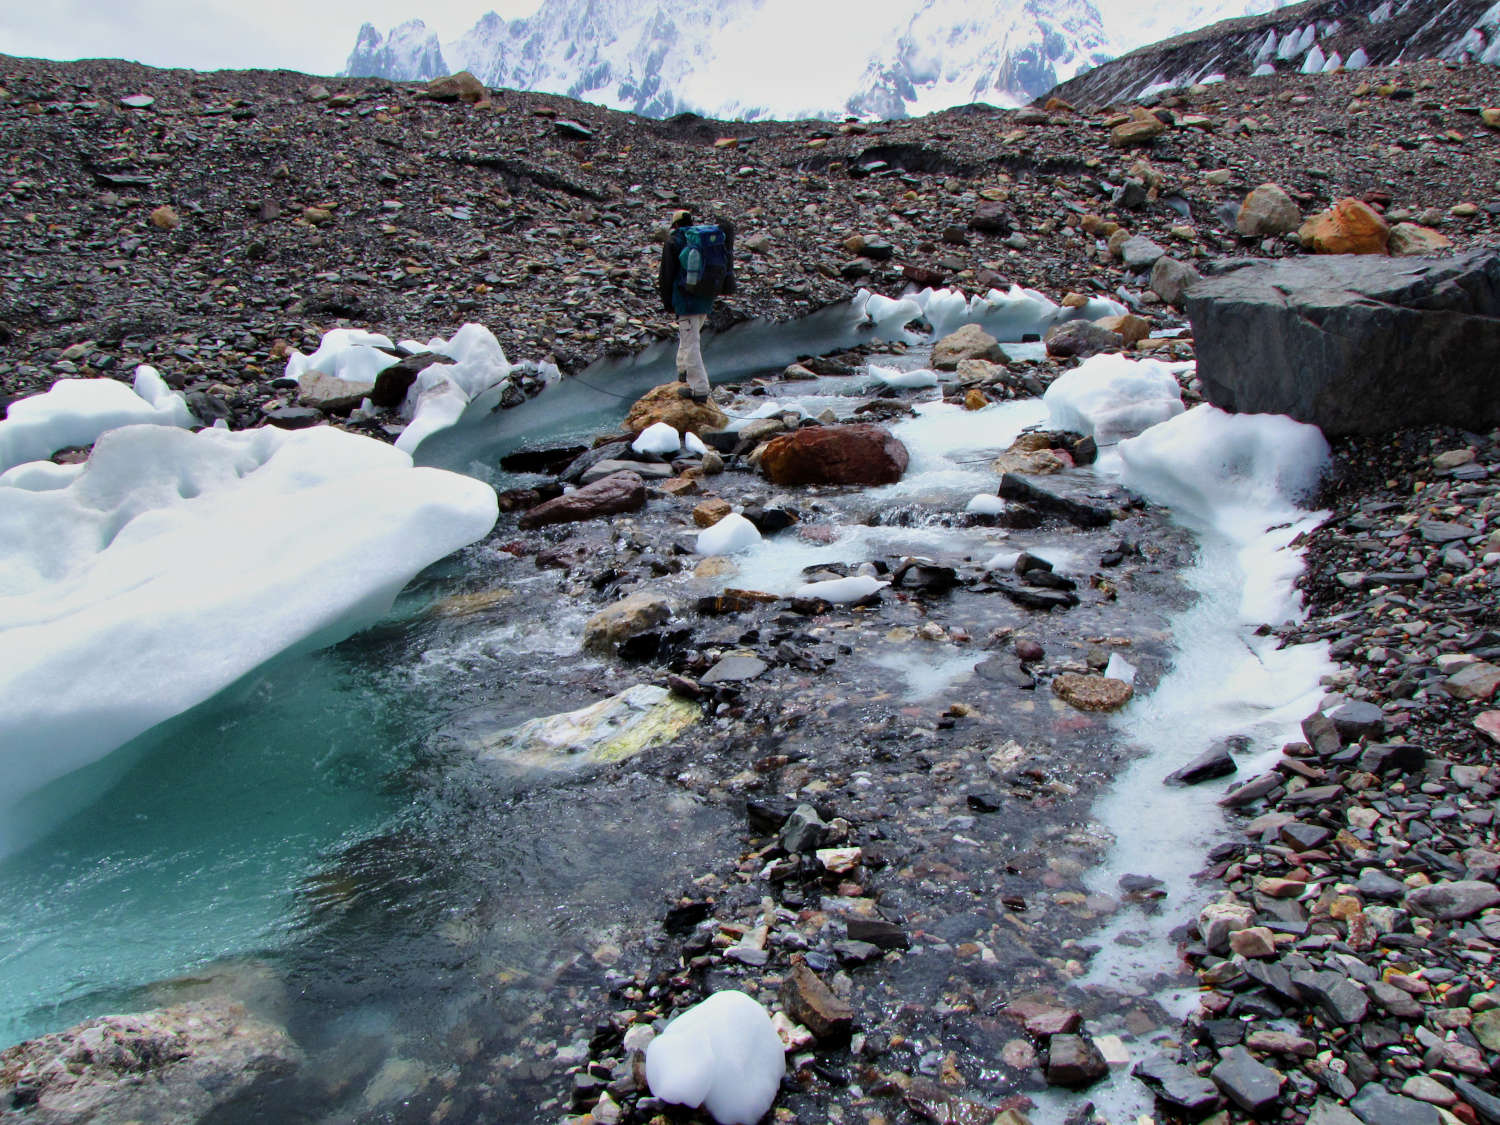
<point x="1251" y="1085"/>
<point x="1074" y="1061"/>
<point x="1353" y="343"/>
<point x="1177" y="1086"/>
<point x="1216" y="761"/>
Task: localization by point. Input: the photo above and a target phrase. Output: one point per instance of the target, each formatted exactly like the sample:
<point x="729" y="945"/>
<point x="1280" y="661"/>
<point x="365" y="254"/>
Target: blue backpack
<point x="704" y="260"/>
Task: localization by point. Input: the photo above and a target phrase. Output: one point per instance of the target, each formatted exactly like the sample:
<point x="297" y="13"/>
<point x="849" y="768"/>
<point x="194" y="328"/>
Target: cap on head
<point x="682" y="218"/>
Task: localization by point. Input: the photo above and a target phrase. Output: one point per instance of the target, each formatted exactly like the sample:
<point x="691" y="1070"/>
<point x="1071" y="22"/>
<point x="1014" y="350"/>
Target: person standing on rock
<point x="697" y="265"/>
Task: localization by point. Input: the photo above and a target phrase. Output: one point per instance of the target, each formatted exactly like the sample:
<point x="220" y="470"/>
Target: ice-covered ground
<point x="1241" y="483"/>
<point x="141" y="583"/>
<point x="76" y="411"/>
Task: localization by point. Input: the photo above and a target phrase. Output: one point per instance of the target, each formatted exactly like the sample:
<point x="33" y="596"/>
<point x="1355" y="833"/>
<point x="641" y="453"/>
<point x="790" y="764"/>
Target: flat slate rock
<point x="1375" y="1105"/>
<point x="1176" y="1085"/>
<point x="1250" y="1084"/>
<point x="733" y="669"/>
<point x="1216" y="761"/>
<point x="1353" y="343"/>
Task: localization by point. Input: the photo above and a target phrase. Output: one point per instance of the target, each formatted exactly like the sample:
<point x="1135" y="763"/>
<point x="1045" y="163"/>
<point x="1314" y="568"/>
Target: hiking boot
<point x="686" y="391"/>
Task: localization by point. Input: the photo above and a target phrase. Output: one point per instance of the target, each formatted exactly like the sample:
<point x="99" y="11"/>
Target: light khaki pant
<point x="690" y="354"/>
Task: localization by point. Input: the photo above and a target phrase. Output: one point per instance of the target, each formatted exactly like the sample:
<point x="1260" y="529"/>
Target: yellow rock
<point x="611" y="730"/>
<point x="165" y="218"/>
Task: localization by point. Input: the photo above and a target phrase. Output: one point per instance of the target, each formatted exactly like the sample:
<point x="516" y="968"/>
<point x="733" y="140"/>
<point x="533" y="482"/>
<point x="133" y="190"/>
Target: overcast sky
<point x="208" y="34"/>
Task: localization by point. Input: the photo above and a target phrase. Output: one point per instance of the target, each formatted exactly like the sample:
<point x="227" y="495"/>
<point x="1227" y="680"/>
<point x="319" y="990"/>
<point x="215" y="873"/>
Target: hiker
<point x="697" y="265"/>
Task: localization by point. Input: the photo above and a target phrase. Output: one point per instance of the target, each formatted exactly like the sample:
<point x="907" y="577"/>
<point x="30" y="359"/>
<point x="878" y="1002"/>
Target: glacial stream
<point x="311" y="842"/>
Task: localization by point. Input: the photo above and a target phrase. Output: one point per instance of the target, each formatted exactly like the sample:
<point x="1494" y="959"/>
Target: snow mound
<point x="658" y="438"/>
<point x="443" y="394"/>
<point x="985" y="504"/>
<point x="903" y="380"/>
<point x="173" y="563"/>
<point x="344" y="353"/>
<point x="1244" y="477"/>
<point x="841" y="591"/>
<point x="732" y="534"/>
<point x="723" y="1054"/>
<point x="1111" y="397"/>
<point x="77" y="411"/>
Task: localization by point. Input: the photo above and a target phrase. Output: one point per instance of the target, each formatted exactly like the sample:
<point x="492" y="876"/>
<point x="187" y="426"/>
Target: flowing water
<point x="316" y="842"/>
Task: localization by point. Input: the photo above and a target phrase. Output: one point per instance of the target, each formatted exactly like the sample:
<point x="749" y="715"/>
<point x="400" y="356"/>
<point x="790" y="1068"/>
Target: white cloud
<point x="207" y="34"/>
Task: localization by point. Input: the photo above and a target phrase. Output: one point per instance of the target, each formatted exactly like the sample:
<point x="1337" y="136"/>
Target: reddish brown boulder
<point x="859" y="454"/>
<point x="620" y="492"/>
<point x="1348" y="227"/>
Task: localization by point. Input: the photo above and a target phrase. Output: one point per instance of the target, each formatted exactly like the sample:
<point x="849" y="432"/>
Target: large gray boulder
<point x="1353" y="343"/>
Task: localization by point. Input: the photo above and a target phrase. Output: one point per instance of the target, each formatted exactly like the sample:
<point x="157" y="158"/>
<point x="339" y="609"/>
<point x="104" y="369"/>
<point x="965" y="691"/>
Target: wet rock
<point x="646" y="470"/>
<point x="621" y="492"/>
<point x="629" y="616"/>
<point x="1092" y="693"/>
<point x="1356" y="720"/>
<point x="1177" y="1086"/>
<point x="734" y="668"/>
<point x="814" y="1005"/>
<point x="1377" y="343"/>
<point x="392" y="384"/>
<point x="878" y="932"/>
<point x="1251" y="1085"/>
<point x="1450" y="902"/>
<point x="173" y="1065"/>
<point x="1016" y="487"/>
<point x="294" y="417"/>
<point x="1074" y="1061"/>
<point x="1216" y="761"/>
<point x="1340" y="1001"/>
<point x="861" y="454"/>
<point x="804" y="831"/>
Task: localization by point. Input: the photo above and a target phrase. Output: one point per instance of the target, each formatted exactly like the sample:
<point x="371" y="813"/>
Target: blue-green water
<point x="197" y="852"/>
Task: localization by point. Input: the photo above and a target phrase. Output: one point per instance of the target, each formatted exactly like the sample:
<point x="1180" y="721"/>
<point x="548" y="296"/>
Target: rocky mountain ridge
<point x="1317" y="35"/>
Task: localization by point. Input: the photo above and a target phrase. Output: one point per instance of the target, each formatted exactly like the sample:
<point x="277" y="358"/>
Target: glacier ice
<point x="344" y="353"/>
<point x="730" y="535"/>
<point x="442" y="394"/>
<point x="173" y="563"/>
<point x="1264" y="70"/>
<point x="1357" y="60"/>
<point x="722" y="1054"/>
<point x="1111" y="397"/>
<point x="1012" y="315"/>
<point x="1315" y="61"/>
<point x="77" y="411"/>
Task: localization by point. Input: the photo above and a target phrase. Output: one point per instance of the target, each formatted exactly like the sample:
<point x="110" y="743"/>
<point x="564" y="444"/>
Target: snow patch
<point x="76" y="411"/>
<point x="723" y="1054"/>
<point x="1110" y="397"/>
